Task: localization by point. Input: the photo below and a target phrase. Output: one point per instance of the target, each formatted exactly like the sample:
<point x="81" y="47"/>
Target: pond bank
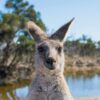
<point x="22" y="73"/>
<point x="74" y="65"/>
<point x="79" y="71"/>
<point x="82" y="65"/>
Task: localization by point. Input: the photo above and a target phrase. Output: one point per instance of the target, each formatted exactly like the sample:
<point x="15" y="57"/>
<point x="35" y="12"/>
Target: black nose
<point x="50" y="61"/>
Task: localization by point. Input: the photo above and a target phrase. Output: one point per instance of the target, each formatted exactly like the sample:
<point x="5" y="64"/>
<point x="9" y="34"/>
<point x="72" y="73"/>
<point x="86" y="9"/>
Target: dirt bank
<point x="74" y="65"/>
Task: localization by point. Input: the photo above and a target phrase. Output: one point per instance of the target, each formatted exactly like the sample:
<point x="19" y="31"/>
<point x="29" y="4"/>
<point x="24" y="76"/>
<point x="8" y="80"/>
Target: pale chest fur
<point x="49" y="89"/>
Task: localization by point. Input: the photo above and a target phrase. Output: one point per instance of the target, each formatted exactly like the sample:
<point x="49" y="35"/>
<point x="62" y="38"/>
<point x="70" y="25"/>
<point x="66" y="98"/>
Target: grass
<point x="79" y="71"/>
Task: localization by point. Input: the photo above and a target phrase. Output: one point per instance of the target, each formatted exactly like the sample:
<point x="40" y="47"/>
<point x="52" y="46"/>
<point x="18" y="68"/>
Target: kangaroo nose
<point x="50" y="61"/>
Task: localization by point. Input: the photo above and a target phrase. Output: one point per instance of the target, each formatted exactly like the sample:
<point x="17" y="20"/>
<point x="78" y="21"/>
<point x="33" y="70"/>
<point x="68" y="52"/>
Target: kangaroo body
<point x="49" y="82"/>
<point x="46" y="88"/>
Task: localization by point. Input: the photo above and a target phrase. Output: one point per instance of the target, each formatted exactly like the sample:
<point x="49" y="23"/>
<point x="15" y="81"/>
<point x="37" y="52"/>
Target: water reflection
<point x="79" y="86"/>
<point x="16" y="91"/>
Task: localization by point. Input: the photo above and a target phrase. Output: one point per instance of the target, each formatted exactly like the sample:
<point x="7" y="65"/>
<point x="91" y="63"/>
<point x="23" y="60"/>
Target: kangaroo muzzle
<point x="50" y="63"/>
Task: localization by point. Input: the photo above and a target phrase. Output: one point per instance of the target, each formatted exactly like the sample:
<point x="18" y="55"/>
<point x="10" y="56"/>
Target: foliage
<point x="83" y="46"/>
<point x="98" y="44"/>
<point x="26" y="11"/>
<point x="19" y="12"/>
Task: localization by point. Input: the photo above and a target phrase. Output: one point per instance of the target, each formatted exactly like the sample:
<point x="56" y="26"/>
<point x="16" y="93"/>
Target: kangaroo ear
<point x="61" y="32"/>
<point x="37" y="33"/>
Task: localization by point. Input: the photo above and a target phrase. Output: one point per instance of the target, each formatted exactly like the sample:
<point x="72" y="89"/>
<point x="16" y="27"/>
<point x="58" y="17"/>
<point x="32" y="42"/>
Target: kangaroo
<point x="49" y="82"/>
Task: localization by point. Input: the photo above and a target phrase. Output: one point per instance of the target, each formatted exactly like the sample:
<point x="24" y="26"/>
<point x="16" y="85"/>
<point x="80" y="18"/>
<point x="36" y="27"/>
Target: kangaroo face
<point x="51" y="54"/>
<point x="49" y="50"/>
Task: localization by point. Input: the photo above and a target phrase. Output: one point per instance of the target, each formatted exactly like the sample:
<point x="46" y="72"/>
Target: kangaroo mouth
<point x="50" y="66"/>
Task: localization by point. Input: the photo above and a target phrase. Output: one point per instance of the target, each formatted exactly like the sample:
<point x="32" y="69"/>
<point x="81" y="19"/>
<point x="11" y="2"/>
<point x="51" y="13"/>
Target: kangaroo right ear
<point x="37" y="33"/>
<point x="61" y="32"/>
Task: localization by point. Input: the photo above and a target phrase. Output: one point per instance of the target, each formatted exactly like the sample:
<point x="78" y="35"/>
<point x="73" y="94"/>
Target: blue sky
<point x="57" y="12"/>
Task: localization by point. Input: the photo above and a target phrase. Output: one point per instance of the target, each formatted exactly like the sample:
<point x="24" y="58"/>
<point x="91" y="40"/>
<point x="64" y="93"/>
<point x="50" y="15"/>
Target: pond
<point x="79" y="86"/>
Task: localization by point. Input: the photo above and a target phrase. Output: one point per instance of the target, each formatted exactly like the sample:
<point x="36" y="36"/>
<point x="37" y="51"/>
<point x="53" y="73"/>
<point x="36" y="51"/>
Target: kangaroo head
<point x="49" y="55"/>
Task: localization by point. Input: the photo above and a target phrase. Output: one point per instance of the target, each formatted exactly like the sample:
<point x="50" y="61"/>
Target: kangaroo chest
<point x="51" y="90"/>
<point x="49" y="93"/>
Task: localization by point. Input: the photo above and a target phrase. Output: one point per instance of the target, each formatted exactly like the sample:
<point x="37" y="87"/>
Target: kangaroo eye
<point x="41" y="49"/>
<point x="59" y="49"/>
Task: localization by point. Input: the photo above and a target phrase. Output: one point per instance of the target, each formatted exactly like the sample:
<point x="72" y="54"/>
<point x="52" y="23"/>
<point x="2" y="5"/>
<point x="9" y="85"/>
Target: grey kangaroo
<point x="49" y="82"/>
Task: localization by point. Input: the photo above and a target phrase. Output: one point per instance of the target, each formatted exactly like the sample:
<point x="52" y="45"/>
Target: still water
<point x="79" y="86"/>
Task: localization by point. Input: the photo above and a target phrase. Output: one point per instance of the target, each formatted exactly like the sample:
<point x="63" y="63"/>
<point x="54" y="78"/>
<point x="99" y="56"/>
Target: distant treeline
<point x="83" y="46"/>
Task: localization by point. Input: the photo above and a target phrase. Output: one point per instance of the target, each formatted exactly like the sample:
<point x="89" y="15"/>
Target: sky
<point x="55" y="13"/>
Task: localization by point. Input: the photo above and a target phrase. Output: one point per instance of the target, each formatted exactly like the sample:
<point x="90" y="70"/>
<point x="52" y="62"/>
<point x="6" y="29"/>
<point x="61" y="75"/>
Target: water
<point x="79" y="86"/>
<point x="84" y="86"/>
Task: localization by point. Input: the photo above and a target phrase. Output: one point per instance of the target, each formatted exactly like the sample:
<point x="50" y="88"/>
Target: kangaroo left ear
<point x="61" y="32"/>
<point x="37" y="33"/>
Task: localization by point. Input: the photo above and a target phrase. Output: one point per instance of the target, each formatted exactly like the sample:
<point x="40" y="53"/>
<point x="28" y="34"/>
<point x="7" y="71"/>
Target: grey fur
<point x="48" y="84"/>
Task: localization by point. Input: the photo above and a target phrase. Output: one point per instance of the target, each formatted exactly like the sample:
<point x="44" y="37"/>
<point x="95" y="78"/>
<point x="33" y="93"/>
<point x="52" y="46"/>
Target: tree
<point x="84" y="46"/>
<point x="10" y="23"/>
<point x="83" y="38"/>
<point x="98" y="44"/>
<point x="25" y="11"/>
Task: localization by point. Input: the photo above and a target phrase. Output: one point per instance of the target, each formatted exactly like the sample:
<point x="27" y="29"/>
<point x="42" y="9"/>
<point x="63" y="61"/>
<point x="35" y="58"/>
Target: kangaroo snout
<point x="50" y="62"/>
